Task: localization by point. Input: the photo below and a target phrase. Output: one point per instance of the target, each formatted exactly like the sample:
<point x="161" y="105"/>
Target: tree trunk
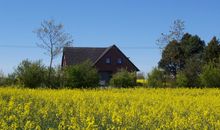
<point x="50" y="69"/>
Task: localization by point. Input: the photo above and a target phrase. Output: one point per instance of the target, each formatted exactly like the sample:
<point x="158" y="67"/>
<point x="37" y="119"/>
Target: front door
<point x="105" y="77"/>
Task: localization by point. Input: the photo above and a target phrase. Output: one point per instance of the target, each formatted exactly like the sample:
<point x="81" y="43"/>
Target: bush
<point x="11" y="79"/>
<point x="56" y="77"/>
<point x="190" y="74"/>
<point x="31" y="74"/>
<point x="181" y="80"/>
<point x="210" y="76"/>
<point x="81" y="76"/>
<point x="156" y="78"/>
<point x="2" y="79"/>
<point x="124" y="79"/>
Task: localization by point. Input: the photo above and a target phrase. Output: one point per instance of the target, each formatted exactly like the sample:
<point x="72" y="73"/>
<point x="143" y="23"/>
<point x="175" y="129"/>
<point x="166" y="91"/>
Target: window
<point x="107" y="60"/>
<point x="119" y="61"/>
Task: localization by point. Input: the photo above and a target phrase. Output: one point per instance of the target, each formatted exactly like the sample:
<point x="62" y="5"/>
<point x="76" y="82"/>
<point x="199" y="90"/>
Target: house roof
<point x="82" y="54"/>
<point x="94" y="54"/>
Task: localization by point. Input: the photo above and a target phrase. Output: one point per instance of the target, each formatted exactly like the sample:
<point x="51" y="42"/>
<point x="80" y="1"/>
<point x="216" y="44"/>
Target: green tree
<point x="212" y="50"/>
<point x="83" y="75"/>
<point x="156" y="78"/>
<point x="176" y="54"/>
<point x="31" y="74"/>
<point x="210" y="76"/>
<point x="193" y="53"/>
<point x="123" y="79"/>
<point x="190" y="73"/>
<point x="56" y="77"/>
<point x="181" y="80"/>
<point x="11" y="79"/>
<point x="192" y="46"/>
<point x="172" y="58"/>
<point x="2" y="78"/>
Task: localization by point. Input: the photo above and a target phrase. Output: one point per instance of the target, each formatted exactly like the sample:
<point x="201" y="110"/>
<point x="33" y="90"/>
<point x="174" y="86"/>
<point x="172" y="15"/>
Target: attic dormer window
<point x="108" y="61"/>
<point x="119" y="61"/>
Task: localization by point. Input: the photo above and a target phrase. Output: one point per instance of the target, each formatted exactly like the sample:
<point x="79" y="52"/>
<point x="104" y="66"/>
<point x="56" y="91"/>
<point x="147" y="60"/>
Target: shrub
<point x="181" y="80"/>
<point x="189" y="76"/>
<point x="124" y="79"/>
<point x="11" y="79"/>
<point x="2" y="79"/>
<point x="210" y="76"/>
<point x="56" y="77"/>
<point x="81" y="76"/>
<point x="31" y="74"/>
<point x="156" y="78"/>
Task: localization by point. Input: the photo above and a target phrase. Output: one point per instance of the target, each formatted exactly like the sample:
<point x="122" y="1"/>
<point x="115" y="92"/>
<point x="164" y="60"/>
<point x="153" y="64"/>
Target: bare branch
<point x="52" y="38"/>
<point x="176" y="32"/>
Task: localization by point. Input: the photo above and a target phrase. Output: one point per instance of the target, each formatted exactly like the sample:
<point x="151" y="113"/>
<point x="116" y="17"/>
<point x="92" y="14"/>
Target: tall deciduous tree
<point x="172" y="58"/>
<point x="176" y="33"/>
<point x="53" y="38"/>
<point x="176" y="54"/>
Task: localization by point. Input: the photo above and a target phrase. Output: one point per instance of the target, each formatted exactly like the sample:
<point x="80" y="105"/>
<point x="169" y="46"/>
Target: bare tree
<point x="176" y="32"/>
<point x="53" y="38"/>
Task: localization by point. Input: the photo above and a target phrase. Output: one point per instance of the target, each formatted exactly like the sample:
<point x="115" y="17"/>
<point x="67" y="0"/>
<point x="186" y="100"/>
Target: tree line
<point x="187" y="61"/>
<point x="34" y="74"/>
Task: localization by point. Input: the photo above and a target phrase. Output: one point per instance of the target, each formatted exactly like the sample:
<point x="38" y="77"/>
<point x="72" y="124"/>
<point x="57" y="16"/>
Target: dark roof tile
<point x="76" y="55"/>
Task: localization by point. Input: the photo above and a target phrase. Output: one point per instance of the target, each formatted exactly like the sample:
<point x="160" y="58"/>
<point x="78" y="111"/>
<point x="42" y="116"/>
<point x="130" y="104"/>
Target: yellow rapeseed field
<point x="138" y="108"/>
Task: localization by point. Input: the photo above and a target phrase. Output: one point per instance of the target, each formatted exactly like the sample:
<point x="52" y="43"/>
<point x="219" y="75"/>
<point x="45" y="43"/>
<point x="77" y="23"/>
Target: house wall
<point x="114" y="53"/>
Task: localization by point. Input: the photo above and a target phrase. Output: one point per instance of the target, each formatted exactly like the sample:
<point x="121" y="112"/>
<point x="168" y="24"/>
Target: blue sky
<point x="133" y="25"/>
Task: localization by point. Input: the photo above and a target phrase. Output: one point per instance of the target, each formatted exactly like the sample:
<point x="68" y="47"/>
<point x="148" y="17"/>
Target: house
<point x="106" y="60"/>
